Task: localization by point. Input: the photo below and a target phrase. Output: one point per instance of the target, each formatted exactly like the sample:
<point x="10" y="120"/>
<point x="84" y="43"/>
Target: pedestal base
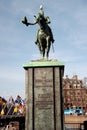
<point x="44" y="110"/>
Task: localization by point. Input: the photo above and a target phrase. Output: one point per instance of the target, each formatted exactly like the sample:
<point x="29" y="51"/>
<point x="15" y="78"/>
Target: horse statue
<point x="44" y="36"/>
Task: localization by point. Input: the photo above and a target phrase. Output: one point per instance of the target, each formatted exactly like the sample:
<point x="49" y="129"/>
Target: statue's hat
<point x="41" y="6"/>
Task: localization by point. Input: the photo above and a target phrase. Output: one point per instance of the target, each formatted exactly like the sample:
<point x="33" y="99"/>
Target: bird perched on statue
<point x="25" y="21"/>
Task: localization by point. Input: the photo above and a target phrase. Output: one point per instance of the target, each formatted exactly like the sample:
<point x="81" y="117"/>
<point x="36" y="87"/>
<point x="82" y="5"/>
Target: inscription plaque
<point x="43" y="89"/>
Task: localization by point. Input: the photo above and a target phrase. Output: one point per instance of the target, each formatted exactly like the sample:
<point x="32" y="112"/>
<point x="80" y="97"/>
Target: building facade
<point x="85" y="82"/>
<point x="75" y="94"/>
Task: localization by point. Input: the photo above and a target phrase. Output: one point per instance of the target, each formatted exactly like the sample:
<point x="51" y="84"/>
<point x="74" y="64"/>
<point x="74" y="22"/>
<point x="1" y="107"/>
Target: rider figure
<point x="44" y="35"/>
<point x="47" y="19"/>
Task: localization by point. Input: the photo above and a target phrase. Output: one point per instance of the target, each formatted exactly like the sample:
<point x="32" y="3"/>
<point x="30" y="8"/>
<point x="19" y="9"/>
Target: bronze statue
<point x="44" y="36"/>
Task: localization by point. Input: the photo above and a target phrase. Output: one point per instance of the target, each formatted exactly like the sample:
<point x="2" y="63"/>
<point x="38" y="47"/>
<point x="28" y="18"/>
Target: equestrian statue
<point x="44" y="36"/>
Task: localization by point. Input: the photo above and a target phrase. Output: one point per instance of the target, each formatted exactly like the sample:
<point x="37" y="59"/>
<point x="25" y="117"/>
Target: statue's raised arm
<point x="25" y="21"/>
<point x="44" y="36"/>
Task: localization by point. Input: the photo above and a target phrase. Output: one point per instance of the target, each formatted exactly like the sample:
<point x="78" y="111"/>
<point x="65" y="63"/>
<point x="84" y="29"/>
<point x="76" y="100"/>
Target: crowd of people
<point x="12" y="107"/>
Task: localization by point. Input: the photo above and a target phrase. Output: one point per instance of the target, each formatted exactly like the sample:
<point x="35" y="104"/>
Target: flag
<point x="2" y="101"/>
<point x="11" y="100"/>
<point x="18" y="99"/>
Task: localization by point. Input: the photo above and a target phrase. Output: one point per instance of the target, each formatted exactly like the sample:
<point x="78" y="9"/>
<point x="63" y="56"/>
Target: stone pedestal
<point x="44" y="98"/>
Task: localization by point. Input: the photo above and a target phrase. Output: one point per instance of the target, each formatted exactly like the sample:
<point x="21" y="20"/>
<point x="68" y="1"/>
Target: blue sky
<point x="17" y="47"/>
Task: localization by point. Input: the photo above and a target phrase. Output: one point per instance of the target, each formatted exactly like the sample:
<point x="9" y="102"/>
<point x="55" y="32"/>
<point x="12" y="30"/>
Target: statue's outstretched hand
<point x="25" y="21"/>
